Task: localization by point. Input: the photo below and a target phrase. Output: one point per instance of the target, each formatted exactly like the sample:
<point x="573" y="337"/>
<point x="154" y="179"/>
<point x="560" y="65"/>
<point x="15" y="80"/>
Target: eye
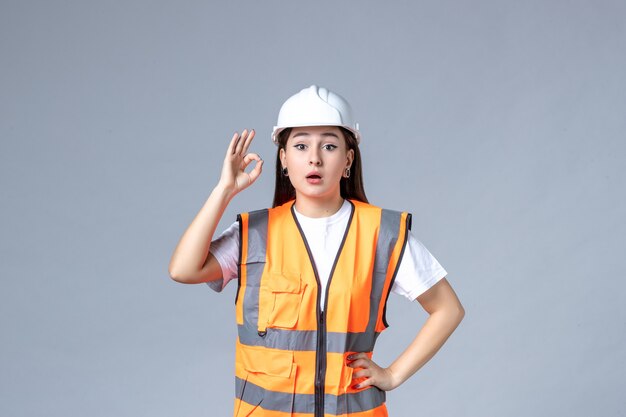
<point x="299" y="146"/>
<point x="330" y="147"/>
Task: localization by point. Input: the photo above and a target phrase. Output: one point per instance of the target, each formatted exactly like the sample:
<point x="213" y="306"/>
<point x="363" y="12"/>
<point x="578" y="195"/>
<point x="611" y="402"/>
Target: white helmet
<point x="316" y="106"/>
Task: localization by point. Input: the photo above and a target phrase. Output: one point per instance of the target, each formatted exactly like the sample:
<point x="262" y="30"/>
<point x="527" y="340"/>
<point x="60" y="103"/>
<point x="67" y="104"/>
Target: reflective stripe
<point x="257" y="235"/>
<point x="405" y="238"/>
<point x="255" y="263"/>
<point x="387" y="238"/>
<point x="354" y="402"/>
<point x="306" y="340"/>
<point x="364" y="400"/>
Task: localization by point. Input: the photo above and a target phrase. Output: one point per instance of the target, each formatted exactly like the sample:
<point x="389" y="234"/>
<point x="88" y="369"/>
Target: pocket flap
<point x="285" y="282"/>
<point x="267" y="361"/>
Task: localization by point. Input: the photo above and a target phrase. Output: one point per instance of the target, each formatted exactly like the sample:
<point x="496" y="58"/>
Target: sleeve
<point x="419" y="270"/>
<point x="226" y="250"/>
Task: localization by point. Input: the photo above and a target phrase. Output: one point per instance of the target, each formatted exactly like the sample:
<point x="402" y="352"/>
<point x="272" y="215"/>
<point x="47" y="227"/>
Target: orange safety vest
<point x="290" y="355"/>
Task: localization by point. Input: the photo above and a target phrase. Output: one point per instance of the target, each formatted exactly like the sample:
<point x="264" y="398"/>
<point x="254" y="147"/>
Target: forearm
<point x="433" y="334"/>
<point x="192" y="249"/>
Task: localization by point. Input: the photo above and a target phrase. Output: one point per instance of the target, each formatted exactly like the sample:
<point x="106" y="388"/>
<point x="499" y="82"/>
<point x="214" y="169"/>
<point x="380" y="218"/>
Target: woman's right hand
<point x="234" y="178"/>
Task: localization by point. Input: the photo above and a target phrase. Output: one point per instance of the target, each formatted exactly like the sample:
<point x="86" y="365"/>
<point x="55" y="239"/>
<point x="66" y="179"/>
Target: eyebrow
<point x="323" y="134"/>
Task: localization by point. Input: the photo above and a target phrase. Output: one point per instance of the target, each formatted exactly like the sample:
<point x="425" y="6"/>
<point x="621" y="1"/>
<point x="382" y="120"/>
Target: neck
<point x="318" y="207"/>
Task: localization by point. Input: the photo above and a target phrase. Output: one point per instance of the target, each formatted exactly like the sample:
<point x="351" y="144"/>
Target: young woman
<point x="315" y="271"/>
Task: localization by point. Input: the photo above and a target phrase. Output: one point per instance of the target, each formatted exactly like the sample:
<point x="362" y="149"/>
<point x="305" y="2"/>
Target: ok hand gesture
<point x="234" y="177"/>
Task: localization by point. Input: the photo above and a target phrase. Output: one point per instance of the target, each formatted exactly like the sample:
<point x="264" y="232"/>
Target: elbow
<point x="177" y="273"/>
<point x="177" y="276"/>
<point x="460" y="313"/>
<point x="174" y="275"/>
<point x="186" y="276"/>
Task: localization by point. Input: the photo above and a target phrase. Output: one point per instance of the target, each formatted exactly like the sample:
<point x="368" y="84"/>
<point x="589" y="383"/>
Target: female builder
<point x="314" y="271"/>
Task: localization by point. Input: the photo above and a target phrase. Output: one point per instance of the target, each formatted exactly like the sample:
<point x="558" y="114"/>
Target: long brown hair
<point x="350" y="188"/>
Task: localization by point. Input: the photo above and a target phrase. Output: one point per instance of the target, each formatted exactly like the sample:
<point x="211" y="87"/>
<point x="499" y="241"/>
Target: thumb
<point x="249" y="158"/>
<point x="254" y="174"/>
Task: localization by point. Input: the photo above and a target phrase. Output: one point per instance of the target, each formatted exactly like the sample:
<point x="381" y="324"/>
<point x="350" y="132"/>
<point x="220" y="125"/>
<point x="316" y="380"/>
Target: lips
<point x="313" y="174"/>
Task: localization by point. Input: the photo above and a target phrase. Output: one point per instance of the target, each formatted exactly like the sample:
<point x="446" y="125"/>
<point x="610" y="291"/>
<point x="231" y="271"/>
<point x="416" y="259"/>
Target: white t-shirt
<point x="418" y="271"/>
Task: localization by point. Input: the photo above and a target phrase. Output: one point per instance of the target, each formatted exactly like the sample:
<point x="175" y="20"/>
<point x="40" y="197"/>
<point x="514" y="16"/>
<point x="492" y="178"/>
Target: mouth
<point x="314" y="178"/>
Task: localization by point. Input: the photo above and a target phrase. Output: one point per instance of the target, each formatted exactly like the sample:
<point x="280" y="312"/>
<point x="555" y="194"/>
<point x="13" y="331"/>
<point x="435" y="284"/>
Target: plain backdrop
<point x="500" y="125"/>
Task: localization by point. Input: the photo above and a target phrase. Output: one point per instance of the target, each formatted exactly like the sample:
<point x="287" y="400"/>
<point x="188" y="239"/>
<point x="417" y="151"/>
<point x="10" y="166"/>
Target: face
<point x="316" y="158"/>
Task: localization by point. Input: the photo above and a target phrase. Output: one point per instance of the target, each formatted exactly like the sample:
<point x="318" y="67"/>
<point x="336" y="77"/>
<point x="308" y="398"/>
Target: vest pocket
<point x="270" y="381"/>
<point x="260" y="360"/>
<point x="346" y="379"/>
<point x="286" y="290"/>
<point x="346" y="375"/>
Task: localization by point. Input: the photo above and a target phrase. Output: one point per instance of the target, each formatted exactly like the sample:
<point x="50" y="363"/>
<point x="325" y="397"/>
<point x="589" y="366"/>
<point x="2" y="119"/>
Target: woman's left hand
<point x="380" y="377"/>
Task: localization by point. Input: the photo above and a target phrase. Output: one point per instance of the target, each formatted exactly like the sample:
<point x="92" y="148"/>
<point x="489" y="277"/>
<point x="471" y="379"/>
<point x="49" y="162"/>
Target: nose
<point x="314" y="158"/>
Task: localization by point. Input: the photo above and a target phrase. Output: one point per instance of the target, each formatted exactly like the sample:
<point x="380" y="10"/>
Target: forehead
<point x="326" y="131"/>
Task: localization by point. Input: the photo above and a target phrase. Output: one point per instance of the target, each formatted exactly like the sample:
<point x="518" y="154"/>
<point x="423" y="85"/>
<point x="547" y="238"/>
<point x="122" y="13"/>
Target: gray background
<point x="498" y="124"/>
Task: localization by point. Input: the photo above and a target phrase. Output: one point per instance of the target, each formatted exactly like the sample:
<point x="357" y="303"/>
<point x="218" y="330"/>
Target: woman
<point x="315" y="271"/>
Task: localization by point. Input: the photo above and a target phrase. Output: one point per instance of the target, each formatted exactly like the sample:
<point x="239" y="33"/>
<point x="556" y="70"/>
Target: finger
<point x="239" y="146"/>
<point x="362" y="373"/>
<point x="254" y="174"/>
<point x="233" y="143"/>
<point x="359" y="363"/>
<point x="357" y="356"/>
<point x="363" y="384"/>
<point x="246" y="145"/>
<point x="249" y="158"/>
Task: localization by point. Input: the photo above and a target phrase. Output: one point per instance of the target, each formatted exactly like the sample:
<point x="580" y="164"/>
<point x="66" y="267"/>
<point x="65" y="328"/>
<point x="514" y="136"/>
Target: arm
<point x="191" y="261"/>
<point x="446" y="312"/>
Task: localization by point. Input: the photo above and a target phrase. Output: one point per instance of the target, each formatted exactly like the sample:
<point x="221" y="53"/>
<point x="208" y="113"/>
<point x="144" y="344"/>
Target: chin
<point x="315" y="193"/>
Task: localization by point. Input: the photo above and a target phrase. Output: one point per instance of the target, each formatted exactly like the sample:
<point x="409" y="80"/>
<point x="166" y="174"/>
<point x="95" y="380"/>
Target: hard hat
<point x="316" y="106"/>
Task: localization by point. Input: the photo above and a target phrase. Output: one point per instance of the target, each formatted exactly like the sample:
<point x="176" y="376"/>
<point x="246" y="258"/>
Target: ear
<point x="350" y="156"/>
<point x="283" y="157"/>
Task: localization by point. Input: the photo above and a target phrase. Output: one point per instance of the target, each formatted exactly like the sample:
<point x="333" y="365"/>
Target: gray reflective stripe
<point x="257" y="235"/>
<point x="255" y="263"/>
<point x="387" y="238"/>
<point x="273" y="400"/>
<point x="279" y="338"/>
<point x="306" y="340"/>
<point x="354" y="402"/>
<point x="305" y="403"/>
<point x="350" y="342"/>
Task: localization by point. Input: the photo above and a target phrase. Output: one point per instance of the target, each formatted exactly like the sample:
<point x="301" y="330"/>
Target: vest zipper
<point x="320" y="349"/>
<point x="321" y="367"/>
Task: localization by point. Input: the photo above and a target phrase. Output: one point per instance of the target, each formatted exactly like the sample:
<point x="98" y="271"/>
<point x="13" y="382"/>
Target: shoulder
<point x="260" y="218"/>
<point x="360" y="205"/>
<point x="282" y="208"/>
<point x="387" y="214"/>
<point x="252" y="214"/>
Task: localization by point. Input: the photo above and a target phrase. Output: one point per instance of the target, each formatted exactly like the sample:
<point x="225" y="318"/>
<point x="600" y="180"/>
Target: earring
<point x="348" y="172"/>
<point x="285" y="172"/>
